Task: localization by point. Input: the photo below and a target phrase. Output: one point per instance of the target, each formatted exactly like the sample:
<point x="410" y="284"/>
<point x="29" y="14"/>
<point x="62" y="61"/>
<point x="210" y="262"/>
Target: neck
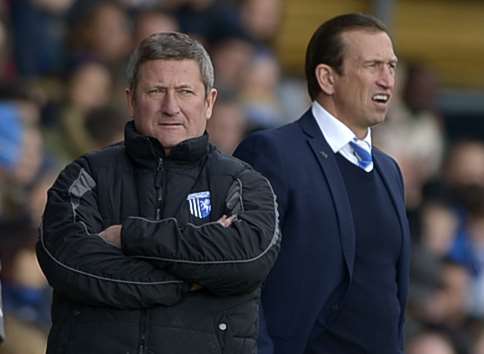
<point x="328" y="104"/>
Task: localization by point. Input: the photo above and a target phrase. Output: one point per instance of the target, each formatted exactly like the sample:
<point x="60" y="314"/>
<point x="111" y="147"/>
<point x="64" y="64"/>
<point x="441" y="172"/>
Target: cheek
<point x="363" y="92"/>
<point x="200" y="124"/>
<point x="197" y="114"/>
<point x="144" y="120"/>
<point x="146" y="109"/>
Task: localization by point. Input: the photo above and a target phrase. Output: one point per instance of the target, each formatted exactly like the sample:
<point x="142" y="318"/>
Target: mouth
<point x="381" y="98"/>
<point x="170" y="124"/>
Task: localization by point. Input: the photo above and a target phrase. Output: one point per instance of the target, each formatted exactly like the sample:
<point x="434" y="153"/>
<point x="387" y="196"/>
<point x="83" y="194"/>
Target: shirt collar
<point x="336" y="133"/>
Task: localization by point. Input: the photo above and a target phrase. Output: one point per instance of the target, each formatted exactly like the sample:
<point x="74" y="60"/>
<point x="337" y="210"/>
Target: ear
<point x="130" y="99"/>
<point x="210" y="102"/>
<point x="325" y="76"/>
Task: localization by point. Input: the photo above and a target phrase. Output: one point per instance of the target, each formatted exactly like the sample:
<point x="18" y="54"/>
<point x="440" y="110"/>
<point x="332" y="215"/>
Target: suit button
<point x="335" y="307"/>
<point x="222" y="326"/>
<point x="76" y="313"/>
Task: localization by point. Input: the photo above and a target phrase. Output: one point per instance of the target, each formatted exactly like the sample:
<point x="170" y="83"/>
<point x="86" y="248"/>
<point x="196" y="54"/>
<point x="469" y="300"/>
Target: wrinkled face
<point x="363" y="90"/>
<point x="110" y="36"/>
<point x="170" y="102"/>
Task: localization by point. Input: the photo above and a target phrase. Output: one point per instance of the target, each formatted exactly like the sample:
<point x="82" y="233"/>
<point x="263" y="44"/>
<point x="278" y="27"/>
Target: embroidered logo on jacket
<point x="199" y="204"/>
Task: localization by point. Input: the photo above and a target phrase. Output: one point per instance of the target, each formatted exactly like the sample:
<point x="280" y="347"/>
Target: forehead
<point x="367" y="45"/>
<point x="185" y="70"/>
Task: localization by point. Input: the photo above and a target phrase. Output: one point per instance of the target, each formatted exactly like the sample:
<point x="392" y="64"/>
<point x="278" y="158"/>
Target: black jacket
<point x="138" y="299"/>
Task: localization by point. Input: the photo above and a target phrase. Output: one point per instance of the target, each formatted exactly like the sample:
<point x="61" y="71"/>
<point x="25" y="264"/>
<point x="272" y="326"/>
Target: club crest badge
<point x="199" y="204"/>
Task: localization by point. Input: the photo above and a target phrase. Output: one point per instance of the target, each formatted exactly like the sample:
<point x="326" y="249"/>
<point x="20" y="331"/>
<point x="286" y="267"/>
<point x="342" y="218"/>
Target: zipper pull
<point x="159" y="168"/>
<point x="158" y="187"/>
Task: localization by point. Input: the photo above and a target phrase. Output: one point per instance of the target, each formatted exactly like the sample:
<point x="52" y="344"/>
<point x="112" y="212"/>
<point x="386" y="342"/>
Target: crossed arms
<point x="156" y="262"/>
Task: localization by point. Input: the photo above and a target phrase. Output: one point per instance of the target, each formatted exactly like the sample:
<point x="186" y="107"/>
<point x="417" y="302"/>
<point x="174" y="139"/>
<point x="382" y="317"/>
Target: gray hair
<point x="170" y="46"/>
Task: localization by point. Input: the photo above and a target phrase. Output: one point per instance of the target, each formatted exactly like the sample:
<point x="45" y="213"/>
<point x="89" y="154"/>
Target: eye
<point x="372" y="65"/>
<point x="154" y="91"/>
<point x="185" y="92"/>
<point x="392" y="66"/>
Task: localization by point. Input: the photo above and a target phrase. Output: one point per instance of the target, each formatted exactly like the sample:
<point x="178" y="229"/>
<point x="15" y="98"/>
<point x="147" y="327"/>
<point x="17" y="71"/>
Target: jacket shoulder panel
<point x="225" y="165"/>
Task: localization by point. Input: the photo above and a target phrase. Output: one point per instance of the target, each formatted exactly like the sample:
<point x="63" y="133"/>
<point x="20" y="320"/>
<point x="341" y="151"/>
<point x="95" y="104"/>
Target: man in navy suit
<point x="340" y="283"/>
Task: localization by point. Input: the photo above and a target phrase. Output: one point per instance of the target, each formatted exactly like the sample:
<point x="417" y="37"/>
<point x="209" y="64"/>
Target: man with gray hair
<point x="159" y="244"/>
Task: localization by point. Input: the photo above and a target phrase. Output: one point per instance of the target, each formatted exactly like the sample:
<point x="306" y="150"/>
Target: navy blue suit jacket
<point x="318" y="237"/>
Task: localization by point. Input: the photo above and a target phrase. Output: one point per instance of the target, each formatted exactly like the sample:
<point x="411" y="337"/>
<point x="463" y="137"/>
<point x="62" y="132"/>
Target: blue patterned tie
<point x="362" y="155"/>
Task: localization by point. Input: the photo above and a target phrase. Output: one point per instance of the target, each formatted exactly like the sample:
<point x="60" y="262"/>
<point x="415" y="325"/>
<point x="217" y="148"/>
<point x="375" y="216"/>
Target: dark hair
<point x="170" y="46"/>
<point x="326" y="46"/>
<point x="104" y="124"/>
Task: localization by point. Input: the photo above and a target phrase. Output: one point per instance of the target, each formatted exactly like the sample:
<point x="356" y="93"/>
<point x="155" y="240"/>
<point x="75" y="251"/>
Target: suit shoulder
<point x="278" y="133"/>
<point x="275" y="137"/>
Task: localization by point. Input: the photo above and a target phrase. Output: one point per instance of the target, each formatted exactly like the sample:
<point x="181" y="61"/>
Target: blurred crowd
<point x="62" y="86"/>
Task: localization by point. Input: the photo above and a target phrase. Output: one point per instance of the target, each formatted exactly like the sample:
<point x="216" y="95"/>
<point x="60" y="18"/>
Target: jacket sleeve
<point x="224" y="260"/>
<point x="80" y="265"/>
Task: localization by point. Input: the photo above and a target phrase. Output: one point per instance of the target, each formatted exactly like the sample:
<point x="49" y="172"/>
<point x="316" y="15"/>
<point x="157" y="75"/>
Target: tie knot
<point x="362" y="154"/>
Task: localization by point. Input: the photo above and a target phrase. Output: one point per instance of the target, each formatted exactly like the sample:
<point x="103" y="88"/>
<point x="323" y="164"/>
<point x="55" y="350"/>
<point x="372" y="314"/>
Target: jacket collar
<point x="146" y="150"/>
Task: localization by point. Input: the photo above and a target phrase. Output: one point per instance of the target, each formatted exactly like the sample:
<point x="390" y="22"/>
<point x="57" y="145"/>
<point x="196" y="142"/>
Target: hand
<point x="112" y="235"/>
<point x="195" y="287"/>
<point x="226" y="221"/>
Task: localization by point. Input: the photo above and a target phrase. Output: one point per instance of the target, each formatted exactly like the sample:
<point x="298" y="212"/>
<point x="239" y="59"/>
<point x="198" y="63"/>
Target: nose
<point x="169" y="104"/>
<point x="386" y="78"/>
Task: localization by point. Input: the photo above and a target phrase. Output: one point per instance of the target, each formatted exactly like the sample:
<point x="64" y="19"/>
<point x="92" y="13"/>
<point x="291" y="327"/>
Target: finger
<point x="230" y="220"/>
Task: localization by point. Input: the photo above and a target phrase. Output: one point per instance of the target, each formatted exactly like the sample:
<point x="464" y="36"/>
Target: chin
<point x="376" y="121"/>
<point x="167" y="137"/>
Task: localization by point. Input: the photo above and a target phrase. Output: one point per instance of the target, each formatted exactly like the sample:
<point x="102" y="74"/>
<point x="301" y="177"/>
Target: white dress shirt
<point x="338" y="135"/>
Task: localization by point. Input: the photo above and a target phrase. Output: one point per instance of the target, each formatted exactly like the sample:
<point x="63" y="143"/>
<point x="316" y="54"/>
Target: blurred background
<point x="62" y="86"/>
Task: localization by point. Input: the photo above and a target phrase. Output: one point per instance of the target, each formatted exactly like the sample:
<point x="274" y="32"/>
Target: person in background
<point x="26" y="294"/>
<point x="429" y="342"/>
<point x="22" y="149"/>
<point x="262" y="20"/>
<point x="260" y="92"/>
<point x="99" y="30"/>
<point x="151" y="21"/>
<point x="89" y="87"/>
<point x="228" y="125"/>
<point x="105" y="126"/>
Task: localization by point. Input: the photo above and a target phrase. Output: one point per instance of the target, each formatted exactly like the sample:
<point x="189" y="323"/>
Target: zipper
<point x="159" y="188"/>
<point x="142" y="342"/>
<point x="159" y="179"/>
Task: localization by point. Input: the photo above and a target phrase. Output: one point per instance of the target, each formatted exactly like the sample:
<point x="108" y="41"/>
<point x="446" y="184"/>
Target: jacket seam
<point x="239" y="181"/>
<point x="65" y="266"/>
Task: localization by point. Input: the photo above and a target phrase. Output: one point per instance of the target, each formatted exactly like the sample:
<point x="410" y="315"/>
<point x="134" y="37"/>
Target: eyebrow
<point x="379" y="61"/>
<point x="181" y="86"/>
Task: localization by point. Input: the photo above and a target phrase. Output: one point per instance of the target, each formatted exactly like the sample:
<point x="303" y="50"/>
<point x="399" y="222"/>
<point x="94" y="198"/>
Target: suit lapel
<point x="395" y="193"/>
<point x="327" y="161"/>
<point x="388" y="174"/>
